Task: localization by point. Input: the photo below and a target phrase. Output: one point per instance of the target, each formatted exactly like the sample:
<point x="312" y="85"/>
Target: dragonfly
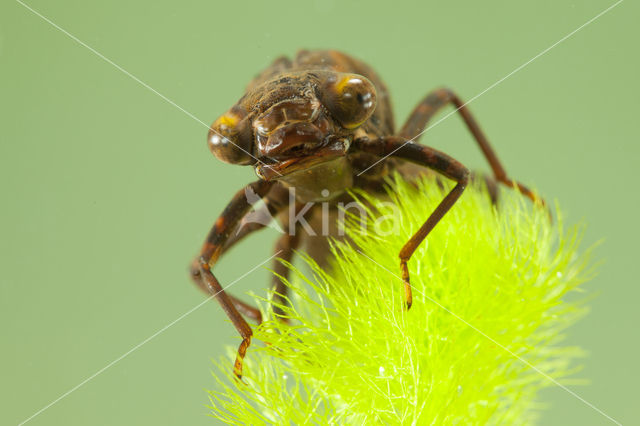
<point x="321" y="125"/>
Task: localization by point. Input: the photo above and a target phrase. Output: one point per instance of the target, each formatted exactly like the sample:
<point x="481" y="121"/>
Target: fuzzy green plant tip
<point x="482" y="337"/>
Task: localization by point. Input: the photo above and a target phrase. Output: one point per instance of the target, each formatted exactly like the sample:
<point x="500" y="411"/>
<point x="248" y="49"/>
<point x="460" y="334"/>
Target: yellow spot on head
<point x="340" y="85"/>
<point x="228" y="120"/>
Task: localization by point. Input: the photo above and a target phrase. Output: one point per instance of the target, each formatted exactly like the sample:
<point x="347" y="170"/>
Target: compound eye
<point x="351" y="99"/>
<point x="230" y="139"/>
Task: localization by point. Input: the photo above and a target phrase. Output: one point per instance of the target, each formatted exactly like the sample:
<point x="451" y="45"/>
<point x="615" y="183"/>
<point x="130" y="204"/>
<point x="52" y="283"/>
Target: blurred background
<point x="108" y="190"/>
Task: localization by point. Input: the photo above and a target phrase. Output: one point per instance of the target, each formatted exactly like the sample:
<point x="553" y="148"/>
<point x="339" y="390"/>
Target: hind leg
<point x="417" y="122"/>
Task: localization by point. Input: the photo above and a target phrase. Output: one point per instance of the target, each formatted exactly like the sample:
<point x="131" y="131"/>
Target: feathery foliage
<point x="489" y="309"/>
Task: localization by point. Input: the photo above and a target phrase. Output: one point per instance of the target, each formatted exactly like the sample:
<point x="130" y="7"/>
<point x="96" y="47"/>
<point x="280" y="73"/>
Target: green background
<point x="108" y="190"/>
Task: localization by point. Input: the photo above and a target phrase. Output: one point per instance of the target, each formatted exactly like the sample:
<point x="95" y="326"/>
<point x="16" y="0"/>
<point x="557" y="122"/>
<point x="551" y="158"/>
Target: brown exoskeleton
<point x="322" y="124"/>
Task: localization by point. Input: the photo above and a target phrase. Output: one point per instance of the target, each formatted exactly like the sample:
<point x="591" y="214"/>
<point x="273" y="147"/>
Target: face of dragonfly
<point x="294" y="123"/>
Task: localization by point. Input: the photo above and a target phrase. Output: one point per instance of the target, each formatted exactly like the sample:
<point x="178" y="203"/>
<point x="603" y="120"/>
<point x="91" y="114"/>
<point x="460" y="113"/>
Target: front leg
<point x="425" y="156"/>
<point x="211" y="251"/>
<point x="275" y="201"/>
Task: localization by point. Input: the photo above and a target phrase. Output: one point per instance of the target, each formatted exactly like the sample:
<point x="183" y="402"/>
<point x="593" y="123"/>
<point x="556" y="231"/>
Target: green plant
<point x="489" y="288"/>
